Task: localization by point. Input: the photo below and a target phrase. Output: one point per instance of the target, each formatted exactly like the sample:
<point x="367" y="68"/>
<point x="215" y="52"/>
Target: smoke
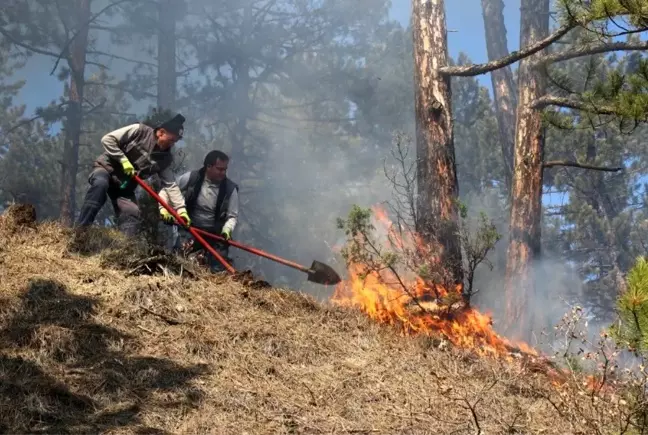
<point x="558" y="286"/>
<point x="293" y="212"/>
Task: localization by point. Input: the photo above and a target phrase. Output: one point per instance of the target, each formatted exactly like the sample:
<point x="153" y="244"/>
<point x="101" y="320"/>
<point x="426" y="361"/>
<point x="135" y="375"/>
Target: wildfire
<point x="419" y="310"/>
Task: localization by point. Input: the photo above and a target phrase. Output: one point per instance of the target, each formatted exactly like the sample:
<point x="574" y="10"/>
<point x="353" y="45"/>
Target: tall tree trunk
<point x="166" y="61"/>
<point x="526" y="203"/>
<point x="436" y="177"/>
<point x="74" y="115"/>
<point x="502" y="81"/>
<point x="156" y="231"/>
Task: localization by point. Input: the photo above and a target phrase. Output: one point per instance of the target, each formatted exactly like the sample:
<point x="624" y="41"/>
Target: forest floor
<point x="99" y="334"/>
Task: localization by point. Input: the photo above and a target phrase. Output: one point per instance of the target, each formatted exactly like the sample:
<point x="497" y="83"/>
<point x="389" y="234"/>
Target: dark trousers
<point x="123" y="201"/>
<point x="221" y="248"/>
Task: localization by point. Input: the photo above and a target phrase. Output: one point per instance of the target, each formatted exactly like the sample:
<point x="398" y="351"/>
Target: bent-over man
<point x="142" y="148"/>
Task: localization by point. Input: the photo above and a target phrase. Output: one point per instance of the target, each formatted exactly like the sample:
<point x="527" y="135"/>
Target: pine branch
<point x="483" y="68"/>
<point x="126" y="59"/>
<point x="19" y="43"/>
<point x="28" y="121"/>
<point x="572" y="103"/>
<point x="554" y="163"/>
<point x="590" y="49"/>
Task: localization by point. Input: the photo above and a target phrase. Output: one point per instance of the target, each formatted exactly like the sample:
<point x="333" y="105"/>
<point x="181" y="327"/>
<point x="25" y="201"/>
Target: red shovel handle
<point x="191" y="230"/>
<point x="252" y="250"/>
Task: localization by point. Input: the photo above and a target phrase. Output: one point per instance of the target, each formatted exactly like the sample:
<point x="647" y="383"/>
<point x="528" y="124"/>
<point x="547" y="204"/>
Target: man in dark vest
<point x="142" y="148"/>
<point x="212" y="202"/>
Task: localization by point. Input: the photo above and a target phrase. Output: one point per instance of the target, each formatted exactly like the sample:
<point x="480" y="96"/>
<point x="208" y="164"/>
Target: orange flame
<point x="415" y="306"/>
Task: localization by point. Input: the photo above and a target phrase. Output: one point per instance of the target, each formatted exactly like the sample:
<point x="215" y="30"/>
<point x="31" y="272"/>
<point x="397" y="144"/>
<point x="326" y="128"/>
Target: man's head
<point x="168" y="127"/>
<point x="166" y="139"/>
<point x="215" y="166"/>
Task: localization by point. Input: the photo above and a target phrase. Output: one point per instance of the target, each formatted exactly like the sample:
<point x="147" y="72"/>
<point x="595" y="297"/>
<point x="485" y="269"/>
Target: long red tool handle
<point x="177" y="217"/>
<point x="254" y="251"/>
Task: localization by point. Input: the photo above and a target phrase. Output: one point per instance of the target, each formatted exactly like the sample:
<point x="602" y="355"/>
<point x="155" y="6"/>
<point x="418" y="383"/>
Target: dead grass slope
<point x="86" y="348"/>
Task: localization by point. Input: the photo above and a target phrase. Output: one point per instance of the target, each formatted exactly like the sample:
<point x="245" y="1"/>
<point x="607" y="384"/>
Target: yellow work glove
<point x="227" y="233"/>
<point x="129" y="170"/>
<point x="184" y="215"/>
<point x="166" y="217"/>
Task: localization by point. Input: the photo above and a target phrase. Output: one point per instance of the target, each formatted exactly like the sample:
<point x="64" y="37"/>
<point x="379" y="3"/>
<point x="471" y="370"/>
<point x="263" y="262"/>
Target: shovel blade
<point x="321" y="273"/>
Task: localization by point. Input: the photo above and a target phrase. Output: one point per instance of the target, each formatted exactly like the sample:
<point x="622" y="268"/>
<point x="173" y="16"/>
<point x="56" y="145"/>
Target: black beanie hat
<point x="174" y="125"/>
<point x="170" y="121"/>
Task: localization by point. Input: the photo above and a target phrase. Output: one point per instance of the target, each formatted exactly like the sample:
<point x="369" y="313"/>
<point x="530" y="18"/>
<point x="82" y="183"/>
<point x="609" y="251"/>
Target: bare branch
<point x="572" y="103"/>
<point x="554" y="163"/>
<point x="590" y="49"/>
<point x="515" y="56"/>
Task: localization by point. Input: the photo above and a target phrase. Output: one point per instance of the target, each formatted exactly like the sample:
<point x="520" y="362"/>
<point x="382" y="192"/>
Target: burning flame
<point x="419" y="310"/>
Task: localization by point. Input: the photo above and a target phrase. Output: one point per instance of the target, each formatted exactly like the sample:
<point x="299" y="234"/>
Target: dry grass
<point x="86" y="347"/>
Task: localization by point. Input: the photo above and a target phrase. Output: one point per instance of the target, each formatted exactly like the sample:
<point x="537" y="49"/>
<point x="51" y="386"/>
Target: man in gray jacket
<point x="142" y="148"/>
<point x="212" y="202"/>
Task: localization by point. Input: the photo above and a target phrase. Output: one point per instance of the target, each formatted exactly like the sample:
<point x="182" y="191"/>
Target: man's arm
<point x="171" y="191"/>
<point x="232" y="212"/>
<point x="112" y="141"/>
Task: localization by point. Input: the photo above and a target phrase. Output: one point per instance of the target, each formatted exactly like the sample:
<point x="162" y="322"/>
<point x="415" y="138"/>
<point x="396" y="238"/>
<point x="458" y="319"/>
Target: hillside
<point x="90" y="343"/>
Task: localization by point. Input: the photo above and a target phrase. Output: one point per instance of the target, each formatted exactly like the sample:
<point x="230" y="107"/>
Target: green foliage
<point x="621" y="96"/>
<point x="358" y="229"/>
<point x="478" y="238"/>
<point x="585" y="12"/>
<point x="632" y="327"/>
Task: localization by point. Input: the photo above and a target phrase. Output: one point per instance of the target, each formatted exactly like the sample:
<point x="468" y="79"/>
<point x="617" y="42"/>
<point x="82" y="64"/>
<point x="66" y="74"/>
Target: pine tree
<point x="632" y="327"/>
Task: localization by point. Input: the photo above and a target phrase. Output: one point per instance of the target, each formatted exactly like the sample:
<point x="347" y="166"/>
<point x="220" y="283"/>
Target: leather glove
<point x="129" y="170"/>
<point x="227" y="233"/>
<point x="167" y="217"/>
<point x="184" y="215"/>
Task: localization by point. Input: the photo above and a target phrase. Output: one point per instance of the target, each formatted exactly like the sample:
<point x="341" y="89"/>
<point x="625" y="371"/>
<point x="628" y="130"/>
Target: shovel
<point x="192" y="231"/>
<point x="318" y="273"/>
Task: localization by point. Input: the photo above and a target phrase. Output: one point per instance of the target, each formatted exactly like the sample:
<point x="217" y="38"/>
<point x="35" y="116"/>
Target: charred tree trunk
<point x="436" y="177"/>
<point x="526" y="199"/>
<point x="166" y="61"/>
<point x="74" y="115"/>
<point x="502" y="81"/>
